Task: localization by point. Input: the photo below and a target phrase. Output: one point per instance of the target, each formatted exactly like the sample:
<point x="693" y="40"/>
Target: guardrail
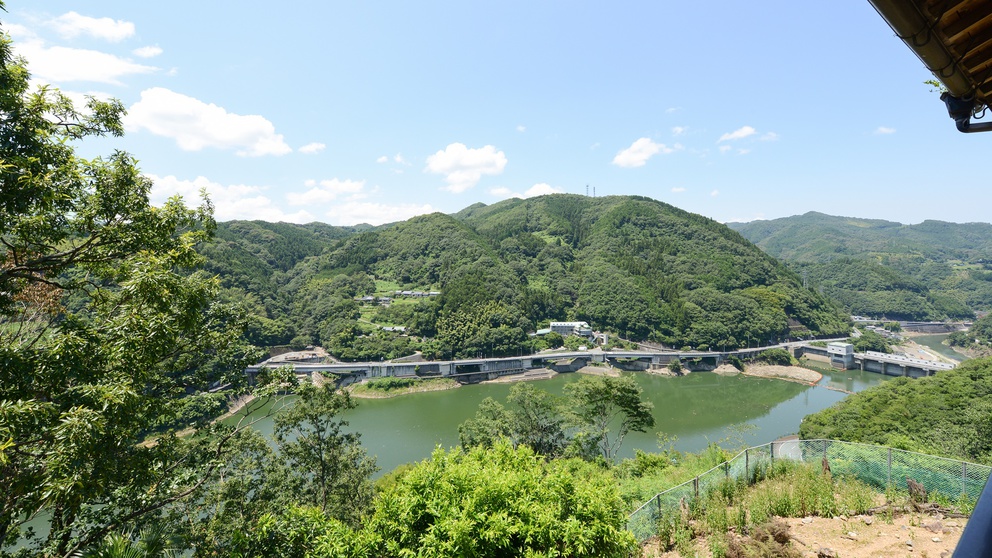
<point x="878" y="466"/>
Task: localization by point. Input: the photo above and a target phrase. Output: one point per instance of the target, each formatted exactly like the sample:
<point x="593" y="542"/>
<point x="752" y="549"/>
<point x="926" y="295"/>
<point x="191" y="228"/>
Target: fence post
<point x="657" y="503"/>
<point x="771" y="451"/>
<point x="747" y="466"/>
<point x="889" y="483"/>
<point x="824" y="450"/>
<point x="695" y="486"/>
<point x="726" y="469"/>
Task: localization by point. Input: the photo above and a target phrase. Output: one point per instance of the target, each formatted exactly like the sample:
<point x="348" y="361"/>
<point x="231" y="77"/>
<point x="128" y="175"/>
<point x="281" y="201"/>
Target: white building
<point x="565" y="329"/>
<point x="841" y="354"/>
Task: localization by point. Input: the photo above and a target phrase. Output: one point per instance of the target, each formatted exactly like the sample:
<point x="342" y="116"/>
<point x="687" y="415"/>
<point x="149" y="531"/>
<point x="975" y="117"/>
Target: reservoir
<point x="936" y="342"/>
<point x="698" y="409"/>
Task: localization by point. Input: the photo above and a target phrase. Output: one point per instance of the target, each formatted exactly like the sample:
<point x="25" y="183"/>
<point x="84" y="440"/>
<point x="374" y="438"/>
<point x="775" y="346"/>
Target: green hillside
<point x="930" y="271"/>
<point x="948" y="414"/>
<point x="631" y="266"/>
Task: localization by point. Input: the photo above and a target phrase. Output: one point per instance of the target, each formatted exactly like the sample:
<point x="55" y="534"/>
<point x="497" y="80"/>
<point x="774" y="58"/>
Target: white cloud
<point x="542" y="189"/>
<point x="196" y="125"/>
<point x="61" y="64"/>
<point x="71" y="25"/>
<point x="382" y="159"/>
<point x="521" y="128"/>
<point x="739" y="133"/>
<point x="769" y="136"/>
<point x="725" y="148"/>
<point x="714" y="193"/>
<point x="883" y="130"/>
<point x="679" y="130"/>
<point x="326" y="191"/>
<point x="19" y="32"/>
<point x="539" y="189"/>
<point x="671" y="110"/>
<point x="678" y="189"/>
<point x="235" y="201"/>
<point x="399" y="159"/>
<point x="743" y="151"/>
<point x="147" y="52"/>
<point x="355" y="212"/>
<point x="639" y="152"/>
<point x="311" y="148"/>
<point x="464" y="167"/>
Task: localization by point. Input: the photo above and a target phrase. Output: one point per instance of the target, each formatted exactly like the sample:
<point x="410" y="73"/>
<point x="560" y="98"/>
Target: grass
<point x="392" y="386"/>
<point x="783" y="489"/>
<point x="386" y="288"/>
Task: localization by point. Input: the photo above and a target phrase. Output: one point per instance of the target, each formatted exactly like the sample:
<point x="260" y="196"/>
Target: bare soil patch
<point x="790" y="373"/>
<point x="600" y="371"/>
<point x="525" y="376"/>
<point x="911" y="534"/>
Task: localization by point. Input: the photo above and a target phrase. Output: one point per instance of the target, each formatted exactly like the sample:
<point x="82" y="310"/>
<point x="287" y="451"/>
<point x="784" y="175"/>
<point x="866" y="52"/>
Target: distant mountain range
<point x="632" y="266"/>
<point x="933" y="270"/>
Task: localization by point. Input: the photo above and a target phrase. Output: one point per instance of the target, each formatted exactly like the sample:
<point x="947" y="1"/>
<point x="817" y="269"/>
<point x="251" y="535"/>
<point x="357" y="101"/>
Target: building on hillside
<point x="565" y="329"/>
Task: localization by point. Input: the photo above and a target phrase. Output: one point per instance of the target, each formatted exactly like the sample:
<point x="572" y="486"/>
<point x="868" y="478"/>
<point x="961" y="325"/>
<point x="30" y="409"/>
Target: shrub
<point x="779" y="357"/>
<point x="501" y="501"/>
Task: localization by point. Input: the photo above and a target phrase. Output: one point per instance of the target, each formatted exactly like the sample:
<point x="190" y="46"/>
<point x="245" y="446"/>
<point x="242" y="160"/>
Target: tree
<point x="536" y="419"/>
<point x="776" y="357"/>
<point x="331" y="467"/>
<point x="104" y="327"/>
<point x="870" y="341"/>
<point x="606" y="409"/>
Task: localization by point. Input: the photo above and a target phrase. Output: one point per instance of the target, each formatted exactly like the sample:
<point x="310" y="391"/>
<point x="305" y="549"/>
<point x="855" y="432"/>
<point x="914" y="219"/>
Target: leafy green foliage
<point x="591" y="421"/>
<point x="335" y="467"/>
<point x="535" y="419"/>
<point x="312" y="467"/>
<point x="300" y="532"/>
<point x="946" y="414"/>
<point x="499" y="502"/>
<point x="104" y="328"/>
<point x="870" y="341"/>
<point x="779" y="357"/>
<point x="978" y="336"/>
<point x="606" y="409"/>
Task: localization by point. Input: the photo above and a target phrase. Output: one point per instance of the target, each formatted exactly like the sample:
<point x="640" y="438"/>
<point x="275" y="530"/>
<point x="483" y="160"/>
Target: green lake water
<point x="699" y="408"/>
<point x="936" y="342"/>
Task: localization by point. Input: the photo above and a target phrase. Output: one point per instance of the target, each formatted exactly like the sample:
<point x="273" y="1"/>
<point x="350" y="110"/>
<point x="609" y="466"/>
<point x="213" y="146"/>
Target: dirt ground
<point x="789" y="373"/>
<point x="911" y="534"/>
<point x="792" y="373"/>
<point x="600" y="371"/>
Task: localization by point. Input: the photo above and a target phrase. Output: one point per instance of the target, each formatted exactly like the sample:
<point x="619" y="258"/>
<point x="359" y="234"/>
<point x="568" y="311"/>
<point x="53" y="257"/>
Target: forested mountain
<point x="933" y="270"/>
<point x="628" y="265"/>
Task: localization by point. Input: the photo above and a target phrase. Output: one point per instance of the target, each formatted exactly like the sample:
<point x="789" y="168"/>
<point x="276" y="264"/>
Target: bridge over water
<point x="478" y="369"/>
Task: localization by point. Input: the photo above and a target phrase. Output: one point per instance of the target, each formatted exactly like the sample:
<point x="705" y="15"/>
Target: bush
<point x="736" y="362"/>
<point x="390" y="383"/>
<point x="502" y="502"/>
<point x="778" y="357"/>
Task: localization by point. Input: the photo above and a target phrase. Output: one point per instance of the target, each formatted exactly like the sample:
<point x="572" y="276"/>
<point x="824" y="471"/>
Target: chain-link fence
<point x="878" y="466"/>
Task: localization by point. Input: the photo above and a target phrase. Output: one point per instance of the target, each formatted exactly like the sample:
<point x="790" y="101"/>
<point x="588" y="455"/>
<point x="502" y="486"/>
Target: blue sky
<point x="349" y="112"/>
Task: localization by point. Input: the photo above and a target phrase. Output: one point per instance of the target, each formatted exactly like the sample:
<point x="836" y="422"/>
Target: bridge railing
<point x="879" y="466"/>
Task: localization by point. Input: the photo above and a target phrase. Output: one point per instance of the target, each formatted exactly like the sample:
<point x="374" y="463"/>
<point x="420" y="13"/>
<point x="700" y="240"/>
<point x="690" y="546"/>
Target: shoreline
<point x="796" y="374"/>
<point x="428" y="385"/>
